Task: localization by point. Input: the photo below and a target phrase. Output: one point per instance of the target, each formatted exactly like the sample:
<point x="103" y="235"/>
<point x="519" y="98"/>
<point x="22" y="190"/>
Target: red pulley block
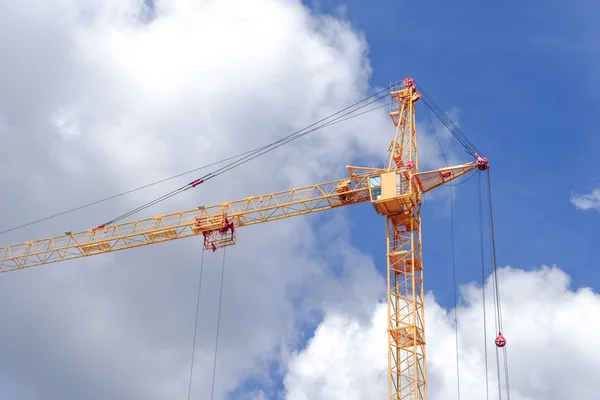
<point x="500" y="340"/>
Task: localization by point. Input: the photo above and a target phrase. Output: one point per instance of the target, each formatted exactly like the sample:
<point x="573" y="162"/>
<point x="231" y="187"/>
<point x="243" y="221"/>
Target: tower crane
<point x="394" y="191"/>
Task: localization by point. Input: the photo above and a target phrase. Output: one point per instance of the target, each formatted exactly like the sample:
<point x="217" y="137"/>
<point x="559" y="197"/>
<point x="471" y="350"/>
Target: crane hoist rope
<point x="456" y="132"/>
<point x="453" y="255"/>
<point x="216" y="347"/>
<point x="482" y="255"/>
<point x="199" y="291"/>
<point x="470" y="148"/>
<point x="212" y="391"/>
<point x="500" y="339"/>
<point x="454" y="292"/>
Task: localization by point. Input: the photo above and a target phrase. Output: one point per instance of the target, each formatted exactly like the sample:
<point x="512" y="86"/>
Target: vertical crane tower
<point x="395" y="192"/>
<point x="406" y="319"/>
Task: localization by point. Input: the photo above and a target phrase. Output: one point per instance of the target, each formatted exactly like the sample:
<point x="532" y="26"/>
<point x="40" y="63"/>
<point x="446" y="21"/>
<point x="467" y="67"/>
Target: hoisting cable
<point x="169" y="178"/>
<point x="437" y="137"/>
<point x="247" y="158"/>
<point x="123" y="193"/>
<point x="453" y="261"/>
<point x="495" y="302"/>
<point x="196" y="324"/>
<point x="468" y="178"/>
<point x="456" y="132"/>
<point x="444" y="154"/>
<point x="281" y="142"/>
<point x="455" y="294"/>
<point x="218" y="325"/>
<point x="485" y="350"/>
<point x="500" y="340"/>
<point x="451" y="127"/>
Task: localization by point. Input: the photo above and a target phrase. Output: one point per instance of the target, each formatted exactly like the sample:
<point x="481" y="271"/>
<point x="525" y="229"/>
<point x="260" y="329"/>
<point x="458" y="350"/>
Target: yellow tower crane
<point x="394" y="191"/>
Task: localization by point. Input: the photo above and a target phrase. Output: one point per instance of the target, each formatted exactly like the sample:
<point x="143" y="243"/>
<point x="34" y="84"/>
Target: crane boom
<point x="162" y="228"/>
<point x="250" y="211"/>
<point x="395" y="192"/>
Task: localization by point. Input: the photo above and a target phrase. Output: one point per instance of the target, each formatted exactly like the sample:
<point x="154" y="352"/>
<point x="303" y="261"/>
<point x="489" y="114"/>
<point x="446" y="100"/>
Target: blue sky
<point x="523" y="78"/>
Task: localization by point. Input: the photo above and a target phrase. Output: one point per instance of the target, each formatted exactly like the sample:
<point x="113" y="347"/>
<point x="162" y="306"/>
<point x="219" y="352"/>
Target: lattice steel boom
<point x="394" y="191"/>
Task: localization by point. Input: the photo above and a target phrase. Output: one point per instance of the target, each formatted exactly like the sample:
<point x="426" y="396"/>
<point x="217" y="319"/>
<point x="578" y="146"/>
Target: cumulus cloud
<point x="103" y="96"/>
<point x="549" y="327"/>
<point x="590" y="201"/>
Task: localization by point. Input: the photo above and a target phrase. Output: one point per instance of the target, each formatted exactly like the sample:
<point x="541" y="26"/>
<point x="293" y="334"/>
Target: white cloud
<point x="590" y="201"/>
<point x="95" y="102"/>
<point x="550" y="329"/>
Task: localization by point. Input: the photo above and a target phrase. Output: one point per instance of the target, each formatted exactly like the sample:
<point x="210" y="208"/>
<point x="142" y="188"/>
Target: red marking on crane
<point x="227" y="226"/>
<point x="500" y="340"/>
<point x="98" y="227"/>
<point x="482" y="162"/>
<point x="411" y="165"/>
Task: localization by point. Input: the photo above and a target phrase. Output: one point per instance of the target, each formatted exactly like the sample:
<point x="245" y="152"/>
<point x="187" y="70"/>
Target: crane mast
<point x="395" y="192"/>
<point x="406" y="318"/>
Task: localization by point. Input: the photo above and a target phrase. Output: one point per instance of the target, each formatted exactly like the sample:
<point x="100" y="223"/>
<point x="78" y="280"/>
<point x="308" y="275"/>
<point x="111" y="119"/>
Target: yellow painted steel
<point x="250" y="211"/>
<point x="395" y="193"/>
<point x="406" y="319"/>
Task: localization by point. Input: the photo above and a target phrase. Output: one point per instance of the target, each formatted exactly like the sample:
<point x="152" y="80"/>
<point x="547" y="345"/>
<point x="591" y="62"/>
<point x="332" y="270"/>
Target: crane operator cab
<point x="391" y="193"/>
<point x="375" y="187"/>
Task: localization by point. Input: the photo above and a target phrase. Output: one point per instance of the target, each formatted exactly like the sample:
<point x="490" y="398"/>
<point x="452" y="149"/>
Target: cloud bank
<point x="550" y="327"/>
